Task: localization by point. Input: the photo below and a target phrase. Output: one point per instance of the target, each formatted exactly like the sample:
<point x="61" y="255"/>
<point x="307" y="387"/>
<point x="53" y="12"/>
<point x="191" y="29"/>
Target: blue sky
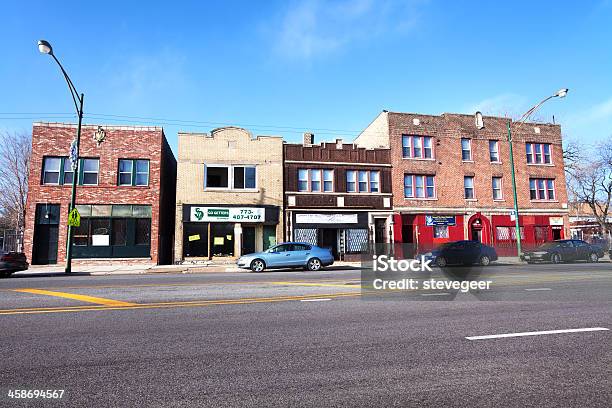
<point x="284" y="67"/>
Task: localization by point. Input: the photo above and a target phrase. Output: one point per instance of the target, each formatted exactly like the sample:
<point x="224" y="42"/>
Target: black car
<point x="12" y="262"/>
<point x="462" y="252"/>
<point x="564" y="250"/>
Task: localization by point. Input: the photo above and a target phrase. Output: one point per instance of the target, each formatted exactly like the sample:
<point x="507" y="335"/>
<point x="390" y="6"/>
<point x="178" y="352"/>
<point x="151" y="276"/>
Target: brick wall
<point x="125" y="142"/>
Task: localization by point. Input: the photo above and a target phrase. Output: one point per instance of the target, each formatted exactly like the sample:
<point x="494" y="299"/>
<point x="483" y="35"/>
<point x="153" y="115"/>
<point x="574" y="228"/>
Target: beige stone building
<point x="229" y="194"/>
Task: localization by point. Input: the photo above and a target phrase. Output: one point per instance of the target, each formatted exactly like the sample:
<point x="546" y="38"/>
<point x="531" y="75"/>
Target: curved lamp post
<point x="559" y="94"/>
<point x="45" y="48"/>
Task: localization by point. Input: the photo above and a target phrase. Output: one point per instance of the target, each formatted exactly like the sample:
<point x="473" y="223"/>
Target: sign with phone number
<point x="227" y="214"/>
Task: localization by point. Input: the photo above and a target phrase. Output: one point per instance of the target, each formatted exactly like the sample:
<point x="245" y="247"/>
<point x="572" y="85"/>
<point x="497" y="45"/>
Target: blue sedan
<point x="288" y="255"/>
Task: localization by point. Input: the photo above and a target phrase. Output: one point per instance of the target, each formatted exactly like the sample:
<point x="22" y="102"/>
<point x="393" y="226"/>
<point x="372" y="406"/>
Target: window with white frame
<point x="316" y="180"/>
<point x="362" y="181"/>
<point x="497" y="188"/>
<point x="51" y="170"/>
<point x="468" y="187"/>
<point x="538" y="153"/>
<point x="466" y="149"/>
<point x="542" y="189"/>
<point x="90" y="170"/>
<point x="419" y="186"/>
<point x="494" y="151"/>
<point x="239" y="177"/>
<point x="417" y="147"/>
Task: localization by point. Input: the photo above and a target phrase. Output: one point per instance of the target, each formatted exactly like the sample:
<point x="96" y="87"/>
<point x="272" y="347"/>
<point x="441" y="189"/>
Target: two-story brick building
<point x="125" y="195"/>
<point x="229" y="194"/>
<point x="452" y="179"/>
<point x="337" y="195"/>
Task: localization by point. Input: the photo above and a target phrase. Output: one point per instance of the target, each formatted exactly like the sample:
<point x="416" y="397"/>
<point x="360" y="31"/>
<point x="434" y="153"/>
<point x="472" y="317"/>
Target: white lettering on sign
<point x="227" y="214"/>
<point x="326" y="218"/>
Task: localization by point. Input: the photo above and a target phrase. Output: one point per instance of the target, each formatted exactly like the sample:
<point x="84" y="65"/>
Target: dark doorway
<point x="248" y="240"/>
<point x="476" y="234"/>
<point x="222" y="239"/>
<point x="556" y="234"/>
<point x="380" y="235"/>
<point x="407" y="234"/>
<point x="328" y="238"/>
<point x="46" y="234"/>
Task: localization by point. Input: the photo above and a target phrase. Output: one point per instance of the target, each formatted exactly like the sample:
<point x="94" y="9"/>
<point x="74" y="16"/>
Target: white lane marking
<point x="533" y="290"/>
<point x="315" y="300"/>
<point x="537" y="333"/>
<point x="435" y="294"/>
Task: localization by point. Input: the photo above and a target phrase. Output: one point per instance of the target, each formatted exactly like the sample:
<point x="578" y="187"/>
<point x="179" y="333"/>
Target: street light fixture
<point x="559" y="94"/>
<point x="45" y="48"/>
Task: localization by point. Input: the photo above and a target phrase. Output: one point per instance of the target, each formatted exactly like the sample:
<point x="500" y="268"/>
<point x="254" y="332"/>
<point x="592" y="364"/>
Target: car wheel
<point x="314" y="264"/>
<point x="258" y="265"/>
<point x="441" y="261"/>
<point x="555" y="258"/>
<point x="593" y="257"/>
<point x="485" y="260"/>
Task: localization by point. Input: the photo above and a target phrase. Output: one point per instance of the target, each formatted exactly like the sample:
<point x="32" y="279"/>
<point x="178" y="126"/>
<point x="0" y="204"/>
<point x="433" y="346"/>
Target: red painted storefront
<point x="496" y="230"/>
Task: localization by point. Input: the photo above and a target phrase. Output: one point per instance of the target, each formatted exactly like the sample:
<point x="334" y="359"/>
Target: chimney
<point x="339" y="143"/>
<point x="308" y="139"/>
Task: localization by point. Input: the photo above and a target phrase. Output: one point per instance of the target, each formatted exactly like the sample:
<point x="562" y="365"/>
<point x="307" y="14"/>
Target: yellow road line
<point x="330" y="285"/>
<point x="82" y="298"/>
<point x="238" y="301"/>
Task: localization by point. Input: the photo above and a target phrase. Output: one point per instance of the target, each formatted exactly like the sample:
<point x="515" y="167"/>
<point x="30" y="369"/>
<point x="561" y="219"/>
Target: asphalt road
<point x="294" y="338"/>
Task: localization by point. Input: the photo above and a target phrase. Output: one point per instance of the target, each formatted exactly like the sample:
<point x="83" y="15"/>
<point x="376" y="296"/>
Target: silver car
<point x="288" y="255"/>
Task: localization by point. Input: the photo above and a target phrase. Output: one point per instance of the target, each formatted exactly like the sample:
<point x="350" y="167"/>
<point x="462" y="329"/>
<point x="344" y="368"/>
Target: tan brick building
<point x="125" y="195"/>
<point x="452" y="179"/>
<point x="229" y="195"/>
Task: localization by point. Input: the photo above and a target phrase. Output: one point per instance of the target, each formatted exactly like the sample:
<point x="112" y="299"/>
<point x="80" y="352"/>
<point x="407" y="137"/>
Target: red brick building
<point x="125" y="194"/>
<point x="337" y="196"/>
<point x="452" y="179"/>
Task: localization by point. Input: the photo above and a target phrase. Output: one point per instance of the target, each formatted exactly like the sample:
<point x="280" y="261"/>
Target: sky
<point x="286" y="67"/>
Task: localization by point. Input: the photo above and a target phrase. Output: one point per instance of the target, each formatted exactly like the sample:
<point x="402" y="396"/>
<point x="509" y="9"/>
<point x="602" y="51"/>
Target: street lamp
<point x="561" y="93"/>
<point x="45" y="48"/>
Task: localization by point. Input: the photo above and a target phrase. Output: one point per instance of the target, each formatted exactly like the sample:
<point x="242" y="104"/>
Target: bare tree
<point x="15" y="155"/>
<point x="590" y="180"/>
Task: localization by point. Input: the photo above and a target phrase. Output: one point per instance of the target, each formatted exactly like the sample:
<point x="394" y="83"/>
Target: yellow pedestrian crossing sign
<point x="74" y="218"/>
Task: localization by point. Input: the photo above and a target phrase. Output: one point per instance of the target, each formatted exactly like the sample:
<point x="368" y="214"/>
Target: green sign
<point x="218" y="212"/>
<point x="74" y="218"/>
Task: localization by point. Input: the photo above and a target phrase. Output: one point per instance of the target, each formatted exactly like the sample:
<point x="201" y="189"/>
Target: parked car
<point x="288" y="255"/>
<point x="564" y="250"/>
<point x="12" y="262"/>
<point x="462" y="252"/>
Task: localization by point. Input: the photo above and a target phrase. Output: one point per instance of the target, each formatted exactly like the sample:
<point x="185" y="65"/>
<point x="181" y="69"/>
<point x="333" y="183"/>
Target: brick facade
<point x="449" y="170"/>
<point x="122" y="142"/>
<point x="229" y="146"/>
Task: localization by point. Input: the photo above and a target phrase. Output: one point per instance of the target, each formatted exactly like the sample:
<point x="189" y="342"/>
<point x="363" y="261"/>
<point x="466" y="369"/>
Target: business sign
<point x="431" y="220"/>
<point x="227" y="214"/>
<point x="326" y="219"/>
<point x="556" y="220"/>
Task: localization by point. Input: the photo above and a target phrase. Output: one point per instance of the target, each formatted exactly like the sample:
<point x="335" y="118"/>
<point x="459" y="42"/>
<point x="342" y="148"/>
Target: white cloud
<point x="506" y="104"/>
<point x="593" y="122"/>
<point x="311" y="28"/>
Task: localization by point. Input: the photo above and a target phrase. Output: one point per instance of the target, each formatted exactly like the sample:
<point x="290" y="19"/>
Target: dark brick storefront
<point x="125" y="193"/>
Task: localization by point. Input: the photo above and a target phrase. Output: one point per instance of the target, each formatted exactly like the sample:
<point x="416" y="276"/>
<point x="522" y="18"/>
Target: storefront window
<point x="119" y="231"/>
<point x="440" y="231"/>
<point x="143" y="231"/>
<point x="100" y="232"/>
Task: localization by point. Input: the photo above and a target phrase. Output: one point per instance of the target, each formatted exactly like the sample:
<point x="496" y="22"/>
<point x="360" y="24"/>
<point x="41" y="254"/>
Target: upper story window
<point x="419" y="186"/>
<point x="542" y="189"/>
<point x="497" y="188"/>
<point x="466" y="149"/>
<point x="538" y="153"/>
<point x="58" y="171"/>
<point x="89" y="174"/>
<point x="362" y="181"/>
<point x="468" y="187"/>
<point x="417" y="147"/>
<point x="494" y="151"/>
<point x="133" y="172"/>
<point x="316" y="180"/>
<point x="230" y="177"/>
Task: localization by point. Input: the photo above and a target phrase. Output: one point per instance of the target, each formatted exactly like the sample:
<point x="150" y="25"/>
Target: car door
<point x="472" y="251"/>
<point x="279" y="256"/>
<point x="300" y="254"/>
<point x="568" y="251"/>
<point x="454" y="252"/>
<point x="582" y="249"/>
